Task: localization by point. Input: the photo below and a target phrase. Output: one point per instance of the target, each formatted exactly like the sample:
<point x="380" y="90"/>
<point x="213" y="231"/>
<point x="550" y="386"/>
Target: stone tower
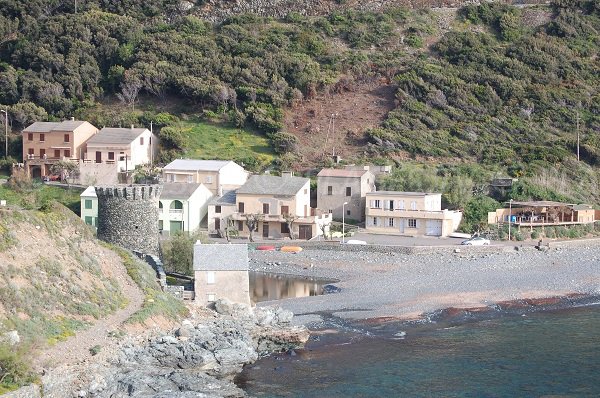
<point x="128" y="216"/>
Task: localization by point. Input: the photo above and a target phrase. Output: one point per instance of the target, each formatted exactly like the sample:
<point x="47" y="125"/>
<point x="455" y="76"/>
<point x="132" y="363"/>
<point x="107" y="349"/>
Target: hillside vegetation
<point x="492" y="84"/>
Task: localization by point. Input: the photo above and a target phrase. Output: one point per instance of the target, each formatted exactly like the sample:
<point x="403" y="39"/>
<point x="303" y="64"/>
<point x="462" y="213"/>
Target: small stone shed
<point x="221" y="271"/>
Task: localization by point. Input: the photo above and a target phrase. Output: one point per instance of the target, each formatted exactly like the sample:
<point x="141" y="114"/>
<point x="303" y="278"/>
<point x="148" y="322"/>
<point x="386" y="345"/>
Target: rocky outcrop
<point x="197" y="358"/>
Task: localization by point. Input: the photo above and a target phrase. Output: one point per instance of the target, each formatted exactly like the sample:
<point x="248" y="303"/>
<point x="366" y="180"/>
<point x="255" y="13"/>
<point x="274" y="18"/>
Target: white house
<point x="216" y="175"/>
<point x="89" y="206"/>
<point x="127" y="147"/>
<point x="182" y="207"/>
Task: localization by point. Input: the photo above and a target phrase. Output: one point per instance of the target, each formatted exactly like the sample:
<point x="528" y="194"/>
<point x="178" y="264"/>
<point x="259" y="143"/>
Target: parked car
<point x="355" y="242"/>
<point x="476" y="241"/>
<point x="51" y="177"/>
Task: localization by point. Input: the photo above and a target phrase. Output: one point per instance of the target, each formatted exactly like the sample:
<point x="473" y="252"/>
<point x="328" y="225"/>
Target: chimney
<point x="132" y="126"/>
<point x="220" y="191"/>
<point x="72" y="119"/>
<point x="287" y="174"/>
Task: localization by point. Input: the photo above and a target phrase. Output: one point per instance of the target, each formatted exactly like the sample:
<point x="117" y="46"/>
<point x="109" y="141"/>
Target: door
<point x="217" y="224"/>
<point x="401" y="221"/>
<point x="265" y="230"/>
<point x="98" y="157"/>
<point x="175" y="226"/>
<point x="305" y="232"/>
<point x="433" y="228"/>
<point x="42" y="153"/>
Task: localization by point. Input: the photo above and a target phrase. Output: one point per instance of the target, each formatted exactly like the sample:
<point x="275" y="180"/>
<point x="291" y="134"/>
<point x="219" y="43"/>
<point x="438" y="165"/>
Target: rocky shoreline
<point x="197" y="359"/>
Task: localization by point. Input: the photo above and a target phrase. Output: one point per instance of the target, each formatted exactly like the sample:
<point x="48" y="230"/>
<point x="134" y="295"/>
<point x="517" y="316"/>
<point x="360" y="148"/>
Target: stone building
<point x="221" y="271"/>
<point x="338" y="186"/>
<point x="128" y="216"/>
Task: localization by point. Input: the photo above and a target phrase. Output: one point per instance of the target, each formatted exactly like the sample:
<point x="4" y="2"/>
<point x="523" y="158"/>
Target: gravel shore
<point x="406" y="286"/>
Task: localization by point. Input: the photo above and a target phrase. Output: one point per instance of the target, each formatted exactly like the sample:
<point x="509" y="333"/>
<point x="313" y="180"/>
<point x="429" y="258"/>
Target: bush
<point x="535" y="234"/>
<point x="15" y="370"/>
<point x="519" y="236"/>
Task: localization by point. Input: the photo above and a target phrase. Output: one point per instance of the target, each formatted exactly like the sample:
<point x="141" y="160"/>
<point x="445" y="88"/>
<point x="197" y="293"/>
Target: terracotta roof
<point x="341" y="173"/>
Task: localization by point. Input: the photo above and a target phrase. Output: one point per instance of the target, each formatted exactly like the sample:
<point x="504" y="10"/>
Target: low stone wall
<point x="336" y="246"/>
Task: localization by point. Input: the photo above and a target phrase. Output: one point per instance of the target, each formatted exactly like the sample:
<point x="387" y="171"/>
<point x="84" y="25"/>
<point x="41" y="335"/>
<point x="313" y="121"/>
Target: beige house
<point x="125" y="147"/>
<point x="220" y="210"/>
<point x="182" y="207"/>
<point x="45" y="143"/>
<point x="216" y="175"/>
<point x="410" y="214"/>
<point x="543" y="214"/>
<point x="221" y="271"/>
<point x="337" y="186"/>
<point x="273" y="198"/>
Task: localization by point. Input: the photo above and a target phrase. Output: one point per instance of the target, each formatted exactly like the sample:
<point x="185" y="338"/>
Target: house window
<point x="391" y="205"/>
<point x="374" y="221"/>
<point x="285" y="229"/>
<point x="285" y="210"/>
<point x="67" y="138"/>
<point x="401" y="205"/>
<point x="210" y="277"/>
<point x="217" y="209"/>
<point x="111" y="156"/>
<point x="413" y="205"/>
<point x="390" y="222"/>
<point x="57" y="153"/>
<point x="67" y="153"/>
<point x="89" y="220"/>
<point x="412" y="223"/>
<point x="171" y="177"/>
<point x="88" y="204"/>
<point x="330" y="211"/>
<point x="329" y="190"/>
<point x="42" y="137"/>
<point x="30" y="151"/>
<point x="209" y="179"/>
<point x="160" y="225"/>
<point x="176" y="205"/>
<point x="240" y="225"/>
<point x="241" y="207"/>
<point x="29" y="136"/>
<point x="265" y="208"/>
<point x="211" y="297"/>
<point x="376" y="204"/>
<point x="348" y="212"/>
<point x="348" y="191"/>
<point x="306" y="191"/>
<point x="42" y="153"/>
<point x="190" y="179"/>
<point x="141" y="140"/>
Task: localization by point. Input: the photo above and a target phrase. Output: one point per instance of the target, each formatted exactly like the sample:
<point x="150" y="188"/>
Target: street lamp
<point x="5" y="132"/>
<point x="343" y="221"/>
<point x="509" y="217"/>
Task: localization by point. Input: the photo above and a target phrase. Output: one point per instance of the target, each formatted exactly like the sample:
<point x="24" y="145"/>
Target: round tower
<point x="128" y="216"/>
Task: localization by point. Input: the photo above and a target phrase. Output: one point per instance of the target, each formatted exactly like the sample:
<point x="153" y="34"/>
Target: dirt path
<point x="77" y="348"/>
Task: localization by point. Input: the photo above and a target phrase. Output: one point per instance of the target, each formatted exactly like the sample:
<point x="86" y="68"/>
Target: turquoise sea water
<point x="547" y="354"/>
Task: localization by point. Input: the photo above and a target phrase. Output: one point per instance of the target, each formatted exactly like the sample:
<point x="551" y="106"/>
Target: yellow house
<point x="45" y="143"/>
<point x="272" y="199"/>
<point x="409" y="214"/>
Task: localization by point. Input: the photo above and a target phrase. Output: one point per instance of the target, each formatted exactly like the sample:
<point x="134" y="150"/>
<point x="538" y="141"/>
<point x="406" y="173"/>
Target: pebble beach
<point x="406" y="286"/>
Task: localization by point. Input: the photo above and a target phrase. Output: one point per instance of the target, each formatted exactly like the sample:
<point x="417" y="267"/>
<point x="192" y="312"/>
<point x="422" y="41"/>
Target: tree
<point x="178" y="253"/>
<point x="252" y="221"/>
<point x="130" y="89"/>
<point x="289" y="220"/>
<point x="65" y="169"/>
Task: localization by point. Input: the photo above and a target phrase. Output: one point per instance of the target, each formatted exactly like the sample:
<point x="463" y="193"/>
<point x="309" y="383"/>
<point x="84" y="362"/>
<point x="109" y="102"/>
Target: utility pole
<point x="577" y="121"/>
<point x="5" y="111"/>
<point x="75" y="6"/>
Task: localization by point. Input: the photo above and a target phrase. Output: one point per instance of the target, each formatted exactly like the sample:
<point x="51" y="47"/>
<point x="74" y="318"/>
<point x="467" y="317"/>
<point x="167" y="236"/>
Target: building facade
<point x="45" y="143"/>
<point x="338" y="186"/>
<point x="125" y="147"/>
<point x="220" y="210"/>
<point x="216" y="175"/>
<point x="274" y="201"/>
<point x="89" y="206"/>
<point x="543" y="214"/>
<point x="182" y="207"/>
<point x="221" y="271"/>
<point x="409" y="214"/>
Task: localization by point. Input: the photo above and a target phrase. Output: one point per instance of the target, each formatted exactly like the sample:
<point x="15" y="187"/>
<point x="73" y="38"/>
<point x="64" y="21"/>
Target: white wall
<point x="302" y="200"/>
<point x="93" y="212"/>
<point x="194" y="210"/>
<point x="232" y="176"/>
<point x="142" y="154"/>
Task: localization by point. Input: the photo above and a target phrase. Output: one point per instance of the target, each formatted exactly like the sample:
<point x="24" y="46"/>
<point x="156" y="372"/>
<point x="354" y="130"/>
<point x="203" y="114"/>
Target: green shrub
<point x="535" y="234"/>
<point x="95" y="350"/>
<point x="519" y="236"/>
<point x="15" y="370"/>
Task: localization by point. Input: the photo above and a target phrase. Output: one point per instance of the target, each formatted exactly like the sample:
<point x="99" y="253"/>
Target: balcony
<point x="403" y="213"/>
<point x="175" y="214"/>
